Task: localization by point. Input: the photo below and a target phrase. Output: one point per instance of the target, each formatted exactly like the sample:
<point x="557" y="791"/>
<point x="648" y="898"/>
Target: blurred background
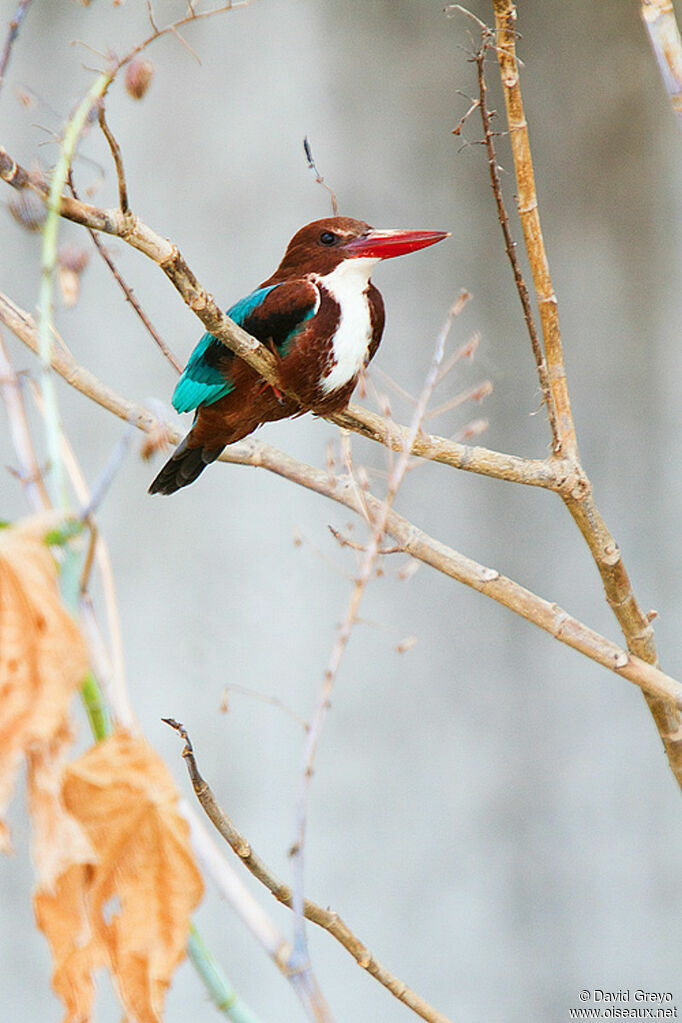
<point x="491" y="813"/>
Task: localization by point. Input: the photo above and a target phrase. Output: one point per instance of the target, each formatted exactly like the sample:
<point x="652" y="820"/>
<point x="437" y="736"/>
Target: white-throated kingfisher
<point x="319" y="314"/>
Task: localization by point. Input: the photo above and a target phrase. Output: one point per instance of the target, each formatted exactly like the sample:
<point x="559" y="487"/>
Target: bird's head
<point x="321" y="246"/>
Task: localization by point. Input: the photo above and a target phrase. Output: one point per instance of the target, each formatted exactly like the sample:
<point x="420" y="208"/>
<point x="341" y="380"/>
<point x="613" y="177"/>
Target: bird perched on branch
<point x="322" y="318"/>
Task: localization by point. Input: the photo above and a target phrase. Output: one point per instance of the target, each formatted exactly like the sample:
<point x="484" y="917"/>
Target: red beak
<point x="387" y="244"/>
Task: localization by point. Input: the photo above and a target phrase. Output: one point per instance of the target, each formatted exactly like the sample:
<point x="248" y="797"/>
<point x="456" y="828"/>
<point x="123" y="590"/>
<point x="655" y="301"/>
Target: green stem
<point x="72" y="133"/>
<point x="218" y="986"/>
<point x="95" y="707"/>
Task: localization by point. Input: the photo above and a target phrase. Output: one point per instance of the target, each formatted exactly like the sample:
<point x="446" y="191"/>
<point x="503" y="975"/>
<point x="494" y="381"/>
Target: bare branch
<point x="118" y="161"/>
<point x="510" y="246"/>
<point x="325" y="918"/>
<point x="338" y="488"/>
<point x="128" y="292"/>
<point x="505" y="21"/>
<point x="635" y="625"/>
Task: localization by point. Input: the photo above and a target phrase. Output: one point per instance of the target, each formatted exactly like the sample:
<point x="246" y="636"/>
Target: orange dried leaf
<point x="43" y="658"/>
<point x="61" y="915"/>
<point x="64" y="861"/>
<point x="145" y="883"/>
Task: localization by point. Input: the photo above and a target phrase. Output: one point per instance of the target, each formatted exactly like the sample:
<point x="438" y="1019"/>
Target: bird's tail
<point x="182" y="468"/>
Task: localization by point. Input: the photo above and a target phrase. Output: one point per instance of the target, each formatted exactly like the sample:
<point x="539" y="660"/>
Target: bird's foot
<point x="275" y="390"/>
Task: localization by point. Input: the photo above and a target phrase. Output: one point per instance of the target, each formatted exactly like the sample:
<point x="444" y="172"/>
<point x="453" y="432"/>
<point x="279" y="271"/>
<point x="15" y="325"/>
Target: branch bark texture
<point x="635" y="624"/>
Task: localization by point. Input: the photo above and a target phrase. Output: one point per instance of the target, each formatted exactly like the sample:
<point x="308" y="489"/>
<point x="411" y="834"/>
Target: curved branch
<point x="325" y="918"/>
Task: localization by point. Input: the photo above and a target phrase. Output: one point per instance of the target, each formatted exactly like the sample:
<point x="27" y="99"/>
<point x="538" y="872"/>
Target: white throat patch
<point x="347" y="284"/>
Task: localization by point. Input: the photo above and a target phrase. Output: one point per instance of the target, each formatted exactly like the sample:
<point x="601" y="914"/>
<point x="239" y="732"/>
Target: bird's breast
<point x="348" y="344"/>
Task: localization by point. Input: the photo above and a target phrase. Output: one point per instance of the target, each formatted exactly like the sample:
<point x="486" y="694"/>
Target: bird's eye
<point x="328" y="238"/>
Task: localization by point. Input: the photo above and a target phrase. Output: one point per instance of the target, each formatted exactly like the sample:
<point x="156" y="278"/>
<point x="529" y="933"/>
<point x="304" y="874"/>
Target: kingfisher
<point x="322" y="318"/>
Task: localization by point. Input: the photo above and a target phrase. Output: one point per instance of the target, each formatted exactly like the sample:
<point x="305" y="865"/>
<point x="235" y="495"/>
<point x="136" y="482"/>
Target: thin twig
<point x="368" y="561"/>
<point x="158" y="33"/>
<point x="463" y="120"/>
<point x="109" y="472"/>
<point x="343" y="541"/>
<point x="318" y="177"/>
<point x="30" y="474"/>
<point x="249" y="911"/>
<point x="274" y="701"/>
<point x="465" y="351"/>
<point x="325" y="918"/>
<point x="12" y="33"/>
<point x="128" y="291"/>
<point x="181" y="39"/>
<point x="118" y="161"/>
<point x="475" y="394"/>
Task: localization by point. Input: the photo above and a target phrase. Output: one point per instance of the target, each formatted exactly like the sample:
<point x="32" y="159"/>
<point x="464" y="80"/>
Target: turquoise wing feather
<point x="202" y="381"/>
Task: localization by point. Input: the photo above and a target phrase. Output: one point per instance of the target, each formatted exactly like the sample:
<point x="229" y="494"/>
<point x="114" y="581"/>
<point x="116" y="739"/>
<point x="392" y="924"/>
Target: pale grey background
<point x="491" y="813"/>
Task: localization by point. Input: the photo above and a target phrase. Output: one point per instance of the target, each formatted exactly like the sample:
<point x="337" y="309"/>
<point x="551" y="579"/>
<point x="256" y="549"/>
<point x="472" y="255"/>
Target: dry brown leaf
<point x="145" y="883"/>
<point x="64" y="861"/>
<point x="43" y="658"/>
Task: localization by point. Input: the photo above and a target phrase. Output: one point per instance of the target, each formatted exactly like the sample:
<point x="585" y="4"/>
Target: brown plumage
<point x="322" y="318"/>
